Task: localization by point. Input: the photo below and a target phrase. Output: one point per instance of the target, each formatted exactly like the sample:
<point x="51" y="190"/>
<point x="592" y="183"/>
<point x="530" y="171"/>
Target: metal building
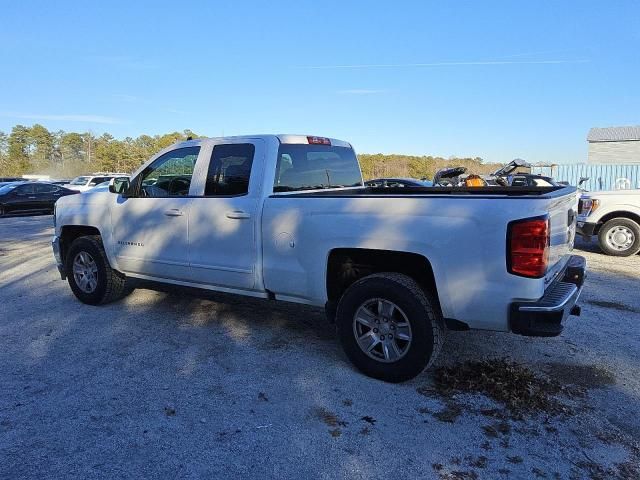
<point x="620" y="145"/>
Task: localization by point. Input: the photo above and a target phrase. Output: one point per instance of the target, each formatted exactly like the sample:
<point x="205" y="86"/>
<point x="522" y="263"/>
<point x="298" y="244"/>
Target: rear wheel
<point x="389" y="327"/>
<point x="620" y="237"/>
<point x="89" y="274"/>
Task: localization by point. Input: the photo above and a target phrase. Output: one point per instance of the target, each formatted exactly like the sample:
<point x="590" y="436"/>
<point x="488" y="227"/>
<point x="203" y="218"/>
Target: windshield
<point x="309" y="167"/>
<point x="79" y="181"/>
<point x="7" y="188"/>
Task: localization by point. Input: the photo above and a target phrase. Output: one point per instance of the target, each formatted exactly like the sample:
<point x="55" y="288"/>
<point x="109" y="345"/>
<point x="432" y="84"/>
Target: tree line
<point x="60" y="154"/>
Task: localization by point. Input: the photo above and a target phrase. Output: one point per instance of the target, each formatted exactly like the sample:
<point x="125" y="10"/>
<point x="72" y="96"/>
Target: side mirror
<point x="118" y="184"/>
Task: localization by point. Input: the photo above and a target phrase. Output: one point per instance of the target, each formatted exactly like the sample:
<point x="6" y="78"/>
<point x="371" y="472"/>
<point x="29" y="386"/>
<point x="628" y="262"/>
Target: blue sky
<point x="492" y="79"/>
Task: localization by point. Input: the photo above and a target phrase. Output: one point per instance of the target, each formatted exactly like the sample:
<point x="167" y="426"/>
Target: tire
<point x="413" y="306"/>
<point x="108" y="285"/>
<point x="619" y="237"/>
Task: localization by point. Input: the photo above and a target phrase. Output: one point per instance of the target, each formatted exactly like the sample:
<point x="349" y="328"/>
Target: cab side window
<point x="229" y="169"/>
<point x="169" y="175"/>
<point x="44" y="188"/>
<point x="25" y="190"/>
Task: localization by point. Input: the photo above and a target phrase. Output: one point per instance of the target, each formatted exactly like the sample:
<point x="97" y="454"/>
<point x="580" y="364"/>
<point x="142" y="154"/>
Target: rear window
<point x="310" y="167"/>
<point x="79" y="181"/>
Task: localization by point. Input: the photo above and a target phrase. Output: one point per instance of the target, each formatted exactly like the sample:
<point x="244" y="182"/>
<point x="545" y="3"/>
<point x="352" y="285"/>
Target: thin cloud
<point x="124" y="97"/>
<point x="441" y="64"/>
<point x="63" y="118"/>
<point x="124" y="62"/>
<point x="360" y="91"/>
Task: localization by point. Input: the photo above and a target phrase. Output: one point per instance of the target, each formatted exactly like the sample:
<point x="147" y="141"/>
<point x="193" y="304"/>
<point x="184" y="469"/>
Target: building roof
<point x="614" y="134"/>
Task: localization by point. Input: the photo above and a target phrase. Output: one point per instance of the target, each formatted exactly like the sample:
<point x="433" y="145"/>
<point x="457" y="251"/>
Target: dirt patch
<point x="586" y="376"/>
<point x="496" y="429"/>
<point x="369" y="419"/>
<point x="328" y="418"/>
<point x="621" y="471"/>
<point x="613" y="305"/>
<point x="518" y="388"/>
<point x="450" y="413"/>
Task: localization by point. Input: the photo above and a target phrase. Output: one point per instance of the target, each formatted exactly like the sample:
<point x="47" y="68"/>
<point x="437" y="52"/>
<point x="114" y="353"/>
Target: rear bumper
<point x="544" y="317"/>
<point x="586" y="229"/>
<point x="57" y="253"/>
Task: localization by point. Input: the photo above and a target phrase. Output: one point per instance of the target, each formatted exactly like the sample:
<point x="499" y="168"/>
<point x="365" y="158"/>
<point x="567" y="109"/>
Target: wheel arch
<point x="347" y="265"/>
<point x="616" y="214"/>
<point x="68" y="233"/>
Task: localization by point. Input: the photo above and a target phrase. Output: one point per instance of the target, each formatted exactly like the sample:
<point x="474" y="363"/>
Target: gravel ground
<point x="166" y="385"/>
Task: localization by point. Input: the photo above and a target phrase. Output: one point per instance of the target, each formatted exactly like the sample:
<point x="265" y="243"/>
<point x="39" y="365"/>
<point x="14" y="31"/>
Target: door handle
<point x="237" y="214"/>
<point x="32" y="198"/>
<point x="174" y="212"/>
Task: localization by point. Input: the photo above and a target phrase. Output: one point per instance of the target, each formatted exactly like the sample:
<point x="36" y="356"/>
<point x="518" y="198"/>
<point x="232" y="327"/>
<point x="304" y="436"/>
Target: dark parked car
<point x="30" y="197"/>
<point x="11" y="179"/>
<point x="398" y="182"/>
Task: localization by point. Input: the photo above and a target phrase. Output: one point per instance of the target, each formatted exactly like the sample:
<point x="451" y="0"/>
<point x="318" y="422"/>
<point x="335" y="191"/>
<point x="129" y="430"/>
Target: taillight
<point x="318" y="141"/>
<point x="528" y="247"/>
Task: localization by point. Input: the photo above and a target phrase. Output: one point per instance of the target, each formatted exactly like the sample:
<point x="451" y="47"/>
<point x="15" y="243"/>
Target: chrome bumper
<point x="544" y="317"/>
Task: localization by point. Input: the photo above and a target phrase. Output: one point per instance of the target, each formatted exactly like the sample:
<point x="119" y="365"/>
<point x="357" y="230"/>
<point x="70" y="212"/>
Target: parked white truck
<point x="614" y="216"/>
<point x="287" y="217"/>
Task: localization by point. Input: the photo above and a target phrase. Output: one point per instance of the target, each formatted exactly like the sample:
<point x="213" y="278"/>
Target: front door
<point x="224" y="217"/>
<point x="22" y="198"/>
<point x="151" y="221"/>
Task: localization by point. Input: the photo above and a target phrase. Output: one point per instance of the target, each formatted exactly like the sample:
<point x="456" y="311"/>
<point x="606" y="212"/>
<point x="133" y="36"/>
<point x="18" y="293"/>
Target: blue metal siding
<point x="601" y="176"/>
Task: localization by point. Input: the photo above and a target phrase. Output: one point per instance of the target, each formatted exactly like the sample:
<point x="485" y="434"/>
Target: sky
<point x="494" y="79"/>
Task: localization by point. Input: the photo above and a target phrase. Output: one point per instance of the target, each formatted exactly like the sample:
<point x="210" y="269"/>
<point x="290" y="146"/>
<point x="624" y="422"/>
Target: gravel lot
<point x="167" y="385"/>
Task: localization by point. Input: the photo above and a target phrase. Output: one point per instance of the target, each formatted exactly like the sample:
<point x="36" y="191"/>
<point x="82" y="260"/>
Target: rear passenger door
<point x="44" y="195"/>
<point x="224" y="216"/>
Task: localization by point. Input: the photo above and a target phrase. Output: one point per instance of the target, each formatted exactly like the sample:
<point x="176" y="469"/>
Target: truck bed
<point x="475" y="192"/>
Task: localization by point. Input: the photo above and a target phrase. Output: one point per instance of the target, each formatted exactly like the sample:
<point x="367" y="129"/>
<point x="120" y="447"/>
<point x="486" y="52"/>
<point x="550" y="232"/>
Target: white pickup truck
<point x="287" y="217"/>
<point x="614" y="216"/>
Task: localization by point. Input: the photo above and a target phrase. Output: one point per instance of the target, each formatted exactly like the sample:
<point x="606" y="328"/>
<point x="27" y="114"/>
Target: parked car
<point x="11" y="179"/>
<point x="23" y="197"/>
<point x="86" y="182"/>
<point x="614" y="217"/>
<point x="105" y="185"/>
<point x="398" y="182"/>
<point x="288" y="218"/>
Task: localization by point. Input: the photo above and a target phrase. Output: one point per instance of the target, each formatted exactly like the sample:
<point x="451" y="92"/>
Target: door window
<point x="169" y="175"/>
<point x="230" y="169"/>
<point x="25" y="190"/>
<point x="43" y="188"/>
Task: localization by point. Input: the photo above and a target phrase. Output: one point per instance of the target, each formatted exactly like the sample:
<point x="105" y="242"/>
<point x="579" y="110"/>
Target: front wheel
<point x="89" y="274"/>
<point x="389" y="327"/>
<point x="620" y="237"/>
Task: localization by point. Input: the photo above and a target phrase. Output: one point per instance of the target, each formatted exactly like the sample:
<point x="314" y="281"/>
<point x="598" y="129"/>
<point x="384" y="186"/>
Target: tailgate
<point x="563" y="212"/>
